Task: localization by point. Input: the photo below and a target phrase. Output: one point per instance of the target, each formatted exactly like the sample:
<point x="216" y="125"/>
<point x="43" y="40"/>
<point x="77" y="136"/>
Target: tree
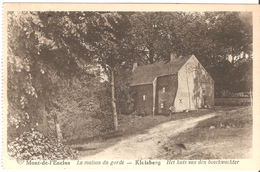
<point x="42" y="47"/>
<point x="25" y="82"/>
<point x="112" y="49"/>
<point x="150" y="34"/>
<point x="45" y="48"/>
<point x="215" y="38"/>
<point x="230" y="37"/>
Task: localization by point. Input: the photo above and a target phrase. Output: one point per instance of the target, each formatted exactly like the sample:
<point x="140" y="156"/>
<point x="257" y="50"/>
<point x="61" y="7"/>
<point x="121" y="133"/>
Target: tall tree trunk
<point x="57" y="128"/>
<point x="113" y="99"/>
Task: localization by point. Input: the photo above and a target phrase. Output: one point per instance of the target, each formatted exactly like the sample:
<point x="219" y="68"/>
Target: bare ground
<point x="148" y="145"/>
<point x="223" y="134"/>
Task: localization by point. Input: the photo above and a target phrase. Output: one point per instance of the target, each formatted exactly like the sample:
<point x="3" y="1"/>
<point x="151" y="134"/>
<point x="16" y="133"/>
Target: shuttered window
<point x="144" y="97"/>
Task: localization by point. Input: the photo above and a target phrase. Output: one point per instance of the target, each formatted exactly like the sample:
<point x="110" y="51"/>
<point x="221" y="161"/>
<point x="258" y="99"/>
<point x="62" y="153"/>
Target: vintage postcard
<point x="131" y="86"/>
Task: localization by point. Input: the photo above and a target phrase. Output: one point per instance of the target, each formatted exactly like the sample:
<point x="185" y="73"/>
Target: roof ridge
<point x="147" y="73"/>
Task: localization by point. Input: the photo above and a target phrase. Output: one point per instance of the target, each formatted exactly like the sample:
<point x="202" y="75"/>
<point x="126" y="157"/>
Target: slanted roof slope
<point x="146" y="74"/>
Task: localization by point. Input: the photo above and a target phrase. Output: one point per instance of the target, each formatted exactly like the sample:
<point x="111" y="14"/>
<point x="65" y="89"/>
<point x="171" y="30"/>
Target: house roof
<point x="146" y="74"/>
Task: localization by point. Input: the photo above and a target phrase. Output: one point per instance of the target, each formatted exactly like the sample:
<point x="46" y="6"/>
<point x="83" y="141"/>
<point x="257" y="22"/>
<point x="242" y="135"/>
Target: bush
<point x="84" y="125"/>
<point x="35" y="146"/>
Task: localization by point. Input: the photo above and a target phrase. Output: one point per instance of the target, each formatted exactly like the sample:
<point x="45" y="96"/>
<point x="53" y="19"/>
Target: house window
<point x="163" y="89"/>
<point x="162" y="105"/>
<point x="144" y="97"/>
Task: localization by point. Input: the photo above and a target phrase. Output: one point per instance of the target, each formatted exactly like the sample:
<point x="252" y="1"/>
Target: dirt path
<point x="147" y="145"/>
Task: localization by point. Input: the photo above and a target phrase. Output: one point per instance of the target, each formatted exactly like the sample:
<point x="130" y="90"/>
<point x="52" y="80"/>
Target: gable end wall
<point x="195" y="87"/>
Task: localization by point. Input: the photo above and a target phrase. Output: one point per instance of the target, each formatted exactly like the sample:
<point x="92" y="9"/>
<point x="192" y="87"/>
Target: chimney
<point x="173" y="56"/>
<point x="134" y="65"/>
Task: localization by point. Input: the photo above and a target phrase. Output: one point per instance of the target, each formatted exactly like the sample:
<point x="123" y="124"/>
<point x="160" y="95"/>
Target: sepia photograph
<point x="129" y="85"/>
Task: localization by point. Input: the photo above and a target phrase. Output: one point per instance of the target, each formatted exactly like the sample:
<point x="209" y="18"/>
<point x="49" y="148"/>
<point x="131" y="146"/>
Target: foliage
<point x="85" y="108"/>
<point x="220" y="41"/>
<point x="34" y="146"/>
<point x="43" y="48"/>
<point x="56" y="60"/>
<point x="123" y="95"/>
<point x="112" y="50"/>
<point x="21" y="50"/>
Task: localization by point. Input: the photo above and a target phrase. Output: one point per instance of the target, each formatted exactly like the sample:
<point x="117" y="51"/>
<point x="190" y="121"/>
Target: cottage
<point x="181" y="84"/>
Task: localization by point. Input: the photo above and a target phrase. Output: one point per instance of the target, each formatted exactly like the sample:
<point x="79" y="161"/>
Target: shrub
<point x="35" y="146"/>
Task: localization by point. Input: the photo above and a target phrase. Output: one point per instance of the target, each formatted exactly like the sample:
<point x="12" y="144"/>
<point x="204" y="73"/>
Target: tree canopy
<point x="48" y="52"/>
